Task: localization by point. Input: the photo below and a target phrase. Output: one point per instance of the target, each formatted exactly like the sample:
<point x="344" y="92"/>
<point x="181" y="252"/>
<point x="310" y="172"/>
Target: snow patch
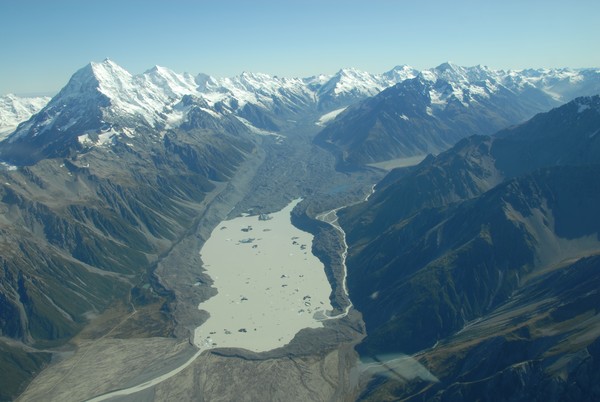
<point x="329" y="117"/>
<point x="428" y="76"/>
<point x="5" y="131"/>
<point x="258" y="131"/>
<point x="106" y="138"/>
<point x="437" y="99"/>
<point x="103" y="139"/>
<point x="129" y="132"/>
<point x="6" y="166"/>
<point x="583" y="107"/>
<point x="479" y="91"/>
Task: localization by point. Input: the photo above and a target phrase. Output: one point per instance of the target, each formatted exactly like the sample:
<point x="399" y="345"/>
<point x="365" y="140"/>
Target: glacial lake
<point x="270" y="285"/>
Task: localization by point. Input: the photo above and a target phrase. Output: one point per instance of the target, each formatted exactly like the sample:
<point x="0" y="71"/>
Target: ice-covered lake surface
<point x="270" y="285"/>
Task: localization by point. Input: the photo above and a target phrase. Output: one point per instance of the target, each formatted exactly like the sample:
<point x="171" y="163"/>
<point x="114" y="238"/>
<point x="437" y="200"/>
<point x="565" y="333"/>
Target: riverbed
<point x="270" y="285"/>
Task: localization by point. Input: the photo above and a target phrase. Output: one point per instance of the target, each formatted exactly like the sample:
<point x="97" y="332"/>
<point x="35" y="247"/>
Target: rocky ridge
<point x="473" y="260"/>
<point x="431" y="112"/>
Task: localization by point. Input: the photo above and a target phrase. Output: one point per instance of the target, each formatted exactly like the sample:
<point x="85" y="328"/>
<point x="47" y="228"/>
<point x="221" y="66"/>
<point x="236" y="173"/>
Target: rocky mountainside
<point x="103" y="100"/>
<point x="16" y="109"/>
<point x="475" y="261"/>
<point x="564" y="136"/>
<point x="80" y="235"/>
<point x="268" y="102"/>
<point x="431" y="112"/>
<point x="105" y="186"/>
<point x="451" y="100"/>
<point x="107" y="191"/>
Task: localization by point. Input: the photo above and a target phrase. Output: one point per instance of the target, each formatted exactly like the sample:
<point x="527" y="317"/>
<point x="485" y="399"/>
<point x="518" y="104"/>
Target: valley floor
<point x="315" y="365"/>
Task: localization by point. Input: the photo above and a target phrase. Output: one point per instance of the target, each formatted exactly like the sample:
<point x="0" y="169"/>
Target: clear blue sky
<point x="43" y="42"/>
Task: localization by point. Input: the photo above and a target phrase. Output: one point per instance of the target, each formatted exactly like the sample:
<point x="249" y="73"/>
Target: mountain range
<point x="105" y="184"/>
<point x="105" y="98"/>
<point x="439" y="106"/>
<point x="482" y="261"/>
<point x="431" y="112"/>
<point x="16" y="109"/>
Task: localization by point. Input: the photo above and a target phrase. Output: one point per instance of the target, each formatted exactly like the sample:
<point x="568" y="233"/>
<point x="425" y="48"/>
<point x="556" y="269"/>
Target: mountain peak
<point x="255" y="78"/>
<point x="448" y="65"/>
<point x="350" y="72"/>
<point x="109" y="71"/>
<point x="96" y="78"/>
<point x="158" y="70"/>
<point x="402" y="67"/>
<point x="161" y="80"/>
<point x="451" y="72"/>
<point x="400" y="73"/>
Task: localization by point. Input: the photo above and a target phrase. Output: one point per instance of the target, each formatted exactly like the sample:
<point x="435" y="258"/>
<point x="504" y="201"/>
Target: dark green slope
<point x="453" y="241"/>
<point x="568" y="135"/>
<point x="422" y="279"/>
<point x="540" y="345"/>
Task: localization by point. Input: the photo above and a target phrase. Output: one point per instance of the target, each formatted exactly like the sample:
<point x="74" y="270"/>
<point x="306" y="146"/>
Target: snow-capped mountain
<point x="103" y="100"/>
<point x="152" y="98"/>
<point x="400" y="73"/>
<point x="350" y="85"/>
<point x="326" y="92"/>
<point x="16" y="109"/>
<point x="562" y="84"/>
<point x="429" y="113"/>
<point x="350" y="80"/>
<point x="112" y="95"/>
<point x="258" y="89"/>
<point x="449" y="82"/>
